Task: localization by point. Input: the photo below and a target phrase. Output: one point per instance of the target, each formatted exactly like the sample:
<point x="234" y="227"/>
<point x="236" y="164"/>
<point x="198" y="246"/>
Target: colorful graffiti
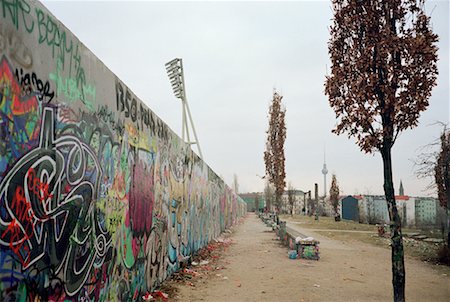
<point x="99" y="199"/>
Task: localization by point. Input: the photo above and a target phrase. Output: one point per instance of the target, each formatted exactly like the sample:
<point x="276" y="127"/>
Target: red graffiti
<point x="141" y="199"/>
<point x="36" y="186"/>
<point x="22" y="208"/>
<point x="19" y="248"/>
<point x="138" y="246"/>
<point x="21" y="227"/>
<point x="24" y="214"/>
<point x="20" y="104"/>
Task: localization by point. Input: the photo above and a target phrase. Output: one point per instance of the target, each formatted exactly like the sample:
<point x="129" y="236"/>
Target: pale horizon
<point x="234" y="55"/>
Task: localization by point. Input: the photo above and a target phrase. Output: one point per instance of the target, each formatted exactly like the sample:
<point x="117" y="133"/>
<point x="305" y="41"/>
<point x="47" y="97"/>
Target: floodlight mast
<point x="176" y="76"/>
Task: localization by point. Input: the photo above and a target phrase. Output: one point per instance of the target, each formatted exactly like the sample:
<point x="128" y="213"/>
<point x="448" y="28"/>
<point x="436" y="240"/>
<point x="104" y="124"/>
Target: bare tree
<point x="269" y="194"/>
<point x="442" y="176"/>
<point x="256" y="203"/>
<point x="434" y="163"/>
<point x="274" y="154"/>
<point x="291" y="198"/>
<point x="383" y="69"/>
<point x="334" y="195"/>
<point x="235" y="184"/>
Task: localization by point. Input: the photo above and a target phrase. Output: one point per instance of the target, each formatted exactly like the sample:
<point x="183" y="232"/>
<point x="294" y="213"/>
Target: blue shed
<point x="350" y="210"/>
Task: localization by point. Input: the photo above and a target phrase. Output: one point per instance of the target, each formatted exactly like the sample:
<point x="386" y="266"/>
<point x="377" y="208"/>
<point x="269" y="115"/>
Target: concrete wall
<point x="99" y="199"/>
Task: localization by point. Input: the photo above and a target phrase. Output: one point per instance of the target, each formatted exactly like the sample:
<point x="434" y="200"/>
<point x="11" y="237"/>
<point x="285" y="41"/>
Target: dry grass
<point x="328" y="223"/>
<point x="413" y="248"/>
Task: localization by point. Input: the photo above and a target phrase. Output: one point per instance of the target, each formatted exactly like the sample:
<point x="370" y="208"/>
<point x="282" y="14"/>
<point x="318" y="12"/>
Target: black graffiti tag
<point x="50" y="218"/>
<point x="30" y="83"/>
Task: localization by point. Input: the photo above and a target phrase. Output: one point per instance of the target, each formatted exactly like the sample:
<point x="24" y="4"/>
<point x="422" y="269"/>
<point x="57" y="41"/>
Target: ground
<point x="256" y="267"/>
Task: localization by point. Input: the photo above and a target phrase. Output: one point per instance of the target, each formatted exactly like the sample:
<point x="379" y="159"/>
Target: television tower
<point x="324" y="172"/>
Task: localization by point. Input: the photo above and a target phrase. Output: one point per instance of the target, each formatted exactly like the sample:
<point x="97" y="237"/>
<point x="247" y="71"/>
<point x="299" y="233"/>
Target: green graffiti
<point x="17" y="10"/>
<point x="127" y="247"/>
<point x="22" y="293"/>
<point x="73" y="89"/>
<point x="65" y="49"/>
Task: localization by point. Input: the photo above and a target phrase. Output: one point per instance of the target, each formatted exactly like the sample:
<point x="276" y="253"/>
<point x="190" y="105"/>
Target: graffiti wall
<point x="99" y="199"/>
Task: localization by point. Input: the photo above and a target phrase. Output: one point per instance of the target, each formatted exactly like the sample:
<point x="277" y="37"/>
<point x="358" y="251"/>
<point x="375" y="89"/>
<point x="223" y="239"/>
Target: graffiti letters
<point x="30" y="83"/>
<point x="143" y="117"/>
<point x="73" y="89"/>
<point x="43" y="193"/>
<point x="18" y="11"/>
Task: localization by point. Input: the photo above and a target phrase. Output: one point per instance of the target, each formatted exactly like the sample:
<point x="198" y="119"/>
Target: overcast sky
<point x="234" y="55"/>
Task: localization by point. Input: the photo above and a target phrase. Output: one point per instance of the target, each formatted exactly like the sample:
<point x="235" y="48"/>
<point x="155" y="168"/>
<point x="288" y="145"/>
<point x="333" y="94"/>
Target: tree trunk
<point x="277" y="202"/>
<point x="447" y="186"/>
<point x="398" y="264"/>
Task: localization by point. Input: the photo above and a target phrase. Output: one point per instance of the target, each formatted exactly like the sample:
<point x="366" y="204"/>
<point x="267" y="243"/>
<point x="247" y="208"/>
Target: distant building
<point x="299" y="197"/>
<point x="426" y="210"/>
<point x="249" y="199"/>
<point x="413" y="211"/>
<point x="299" y="202"/>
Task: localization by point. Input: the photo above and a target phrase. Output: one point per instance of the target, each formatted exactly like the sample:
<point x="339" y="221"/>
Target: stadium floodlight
<point x="176" y="76"/>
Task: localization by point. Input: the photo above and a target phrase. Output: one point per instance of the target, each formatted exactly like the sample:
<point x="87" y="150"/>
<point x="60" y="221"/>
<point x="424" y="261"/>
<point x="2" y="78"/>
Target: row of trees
<point x="292" y="199"/>
<point x="383" y="68"/>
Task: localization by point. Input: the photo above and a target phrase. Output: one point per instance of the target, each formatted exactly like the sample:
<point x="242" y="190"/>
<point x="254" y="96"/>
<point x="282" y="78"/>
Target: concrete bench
<point x="306" y="249"/>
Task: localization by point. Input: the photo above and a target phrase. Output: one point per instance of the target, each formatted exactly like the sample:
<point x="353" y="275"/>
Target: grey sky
<point x="234" y="54"/>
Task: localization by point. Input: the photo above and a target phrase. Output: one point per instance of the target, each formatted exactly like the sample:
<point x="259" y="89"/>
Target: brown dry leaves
<point x="274" y="155"/>
<point x="383" y="56"/>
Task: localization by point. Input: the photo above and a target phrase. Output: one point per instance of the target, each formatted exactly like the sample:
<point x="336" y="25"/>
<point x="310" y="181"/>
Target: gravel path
<point x="258" y="269"/>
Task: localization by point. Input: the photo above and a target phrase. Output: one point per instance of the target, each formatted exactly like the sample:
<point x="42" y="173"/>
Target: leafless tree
<point x="291" y="198"/>
<point x="256" y="204"/>
<point x="442" y="176"/>
<point x="235" y="184"/>
<point x="384" y="56"/>
<point x="434" y="163"/>
<point x="269" y="195"/>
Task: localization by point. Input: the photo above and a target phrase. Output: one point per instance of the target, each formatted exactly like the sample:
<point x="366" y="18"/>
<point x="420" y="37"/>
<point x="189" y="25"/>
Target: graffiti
<point x="15" y="49"/>
<point x="30" y="83"/>
<point x="46" y="187"/>
<point x="19" y="118"/>
<point x="156" y="251"/>
<point x="141" y="199"/>
<point x="50" y="33"/>
<point x="99" y="199"/>
<point x="73" y="89"/>
<point x="107" y="116"/>
<point x="18" y="11"/>
<point x="126" y="103"/>
<point x="66" y="51"/>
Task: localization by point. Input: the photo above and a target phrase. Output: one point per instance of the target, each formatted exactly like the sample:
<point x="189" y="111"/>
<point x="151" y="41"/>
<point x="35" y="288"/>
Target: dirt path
<point x="258" y="269"/>
<point x="298" y="226"/>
